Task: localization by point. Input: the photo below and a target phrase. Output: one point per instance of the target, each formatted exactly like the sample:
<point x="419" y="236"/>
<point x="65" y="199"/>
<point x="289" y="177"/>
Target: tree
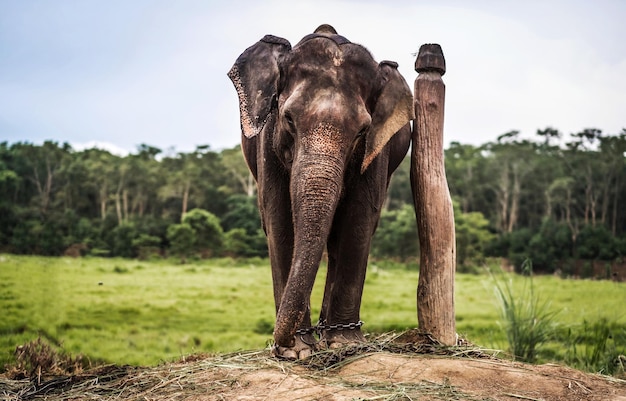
<point x="243" y="212"/>
<point x="396" y="235"/>
<point x="514" y="246"/>
<point x="472" y="236"/>
<point x="193" y="179"/>
<point x="465" y="165"/>
<point x="144" y="177"/>
<point x="236" y="165"/>
<point x="584" y="164"/>
<point x="531" y="192"/>
<point x="41" y="168"/>
<point x="551" y="244"/>
<point x="181" y="238"/>
<point x="183" y="171"/>
<point x="399" y="192"/>
<point x="613" y="150"/>
<point x="100" y="165"/>
<point x="74" y="191"/>
<point x="34" y="236"/>
<point x="121" y="240"/>
<point x="561" y="201"/>
<point x="596" y="243"/>
<point x="511" y="161"/>
<point x="209" y="236"/>
<point x="9" y="182"/>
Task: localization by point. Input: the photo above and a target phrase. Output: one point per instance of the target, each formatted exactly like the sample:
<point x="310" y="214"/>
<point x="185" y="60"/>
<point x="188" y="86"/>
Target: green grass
<point x="143" y="313"/>
<point x="527" y="318"/>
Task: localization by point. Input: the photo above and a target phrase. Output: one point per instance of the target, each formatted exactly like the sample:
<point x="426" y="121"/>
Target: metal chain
<point x="319" y="327"/>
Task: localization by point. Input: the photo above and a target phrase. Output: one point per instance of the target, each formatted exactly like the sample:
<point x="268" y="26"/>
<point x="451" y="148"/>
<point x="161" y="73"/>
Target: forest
<point x="554" y="199"/>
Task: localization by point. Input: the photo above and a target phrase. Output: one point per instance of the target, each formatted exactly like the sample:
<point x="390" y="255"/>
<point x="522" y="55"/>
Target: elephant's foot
<point x="303" y="348"/>
<point x="334" y="339"/>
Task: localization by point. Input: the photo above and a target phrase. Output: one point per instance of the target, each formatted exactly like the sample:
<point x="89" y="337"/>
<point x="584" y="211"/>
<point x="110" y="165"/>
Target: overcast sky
<point x="129" y="72"/>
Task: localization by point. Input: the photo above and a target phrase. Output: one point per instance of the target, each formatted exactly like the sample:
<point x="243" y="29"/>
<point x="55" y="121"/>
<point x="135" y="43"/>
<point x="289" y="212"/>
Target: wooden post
<point x="433" y="206"/>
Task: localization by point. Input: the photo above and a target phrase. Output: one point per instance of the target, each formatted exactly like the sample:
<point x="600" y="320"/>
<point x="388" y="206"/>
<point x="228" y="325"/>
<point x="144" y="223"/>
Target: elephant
<point x="323" y="127"/>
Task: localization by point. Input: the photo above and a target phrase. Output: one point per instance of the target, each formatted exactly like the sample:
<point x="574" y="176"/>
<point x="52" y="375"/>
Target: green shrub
<point x="552" y="243"/>
<point x="121" y="240"/>
<point x="120" y="270"/>
<point x="181" y="238"/>
<point x="237" y="243"/>
<point x="596" y="242"/>
<point x="472" y="236"/>
<point x="146" y="246"/>
<point x="243" y="212"/>
<point x="208" y="233"/>
<point x="396" y="236"/>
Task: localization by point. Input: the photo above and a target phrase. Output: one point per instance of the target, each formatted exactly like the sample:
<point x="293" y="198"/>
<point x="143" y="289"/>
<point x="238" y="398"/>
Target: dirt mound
<point x="370" y="372"/>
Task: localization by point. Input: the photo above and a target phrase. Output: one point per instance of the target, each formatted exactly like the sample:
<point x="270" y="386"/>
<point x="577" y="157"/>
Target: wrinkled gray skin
<point x="323" y="128"/>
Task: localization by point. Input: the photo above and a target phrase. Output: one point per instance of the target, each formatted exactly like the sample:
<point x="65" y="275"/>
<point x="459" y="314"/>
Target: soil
<point x="374" y="372"/>
<point x="399" y="377"/>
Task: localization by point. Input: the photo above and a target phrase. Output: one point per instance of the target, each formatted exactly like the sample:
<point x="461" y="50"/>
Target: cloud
<point x="110" y="147"/>
<point x="154" y="72"/>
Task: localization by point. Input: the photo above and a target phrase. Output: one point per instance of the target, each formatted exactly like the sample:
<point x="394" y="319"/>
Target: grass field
<point x="143" y="313"/>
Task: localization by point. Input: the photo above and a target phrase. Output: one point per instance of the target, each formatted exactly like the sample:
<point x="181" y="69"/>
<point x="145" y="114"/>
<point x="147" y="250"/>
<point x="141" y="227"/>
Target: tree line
<point x="548" y="198"/>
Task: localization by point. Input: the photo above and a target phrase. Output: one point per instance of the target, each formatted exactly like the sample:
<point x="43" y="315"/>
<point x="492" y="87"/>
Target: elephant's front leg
<point x="304" y="346"/>
<point x="280" y="257"/>
<point x="275" y="208"/>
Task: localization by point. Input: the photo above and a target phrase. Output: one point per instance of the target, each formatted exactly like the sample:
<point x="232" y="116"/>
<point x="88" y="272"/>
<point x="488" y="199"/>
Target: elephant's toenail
<point x="289" y="354"/>
<point x="304" y="354"/>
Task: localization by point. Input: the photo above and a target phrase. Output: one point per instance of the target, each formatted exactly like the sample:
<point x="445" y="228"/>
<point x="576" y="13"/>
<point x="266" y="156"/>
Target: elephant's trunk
<point x="315" y="190"/>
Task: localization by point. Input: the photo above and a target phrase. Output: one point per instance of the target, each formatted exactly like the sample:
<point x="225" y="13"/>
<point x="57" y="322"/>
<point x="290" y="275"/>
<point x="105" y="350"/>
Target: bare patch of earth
<point x="371" y="372"/>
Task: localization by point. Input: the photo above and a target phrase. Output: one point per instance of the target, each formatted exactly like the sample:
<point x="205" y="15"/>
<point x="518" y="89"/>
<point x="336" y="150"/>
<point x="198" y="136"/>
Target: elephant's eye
<point x="363" y="131"/>
<point x="290" y="123"/>
<point x="288" y="155"/>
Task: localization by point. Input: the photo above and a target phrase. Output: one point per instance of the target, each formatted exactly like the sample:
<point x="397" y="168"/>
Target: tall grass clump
<point x="598" y="348"/>
<point x="526" y="317"/>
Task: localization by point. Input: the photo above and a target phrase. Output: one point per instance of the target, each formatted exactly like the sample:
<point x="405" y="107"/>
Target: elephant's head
<point x="317" y="103"/>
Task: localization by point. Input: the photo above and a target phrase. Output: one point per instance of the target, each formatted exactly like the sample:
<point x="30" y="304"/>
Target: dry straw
<point x="200" y="375"/>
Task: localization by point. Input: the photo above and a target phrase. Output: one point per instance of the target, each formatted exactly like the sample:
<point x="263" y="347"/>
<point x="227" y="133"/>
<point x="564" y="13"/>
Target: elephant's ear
<point x="392" y="111"/>
<point x="255" y="76"/>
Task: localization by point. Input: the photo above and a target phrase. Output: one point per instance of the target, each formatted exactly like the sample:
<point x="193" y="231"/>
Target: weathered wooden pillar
<point x="433" y="206"/>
